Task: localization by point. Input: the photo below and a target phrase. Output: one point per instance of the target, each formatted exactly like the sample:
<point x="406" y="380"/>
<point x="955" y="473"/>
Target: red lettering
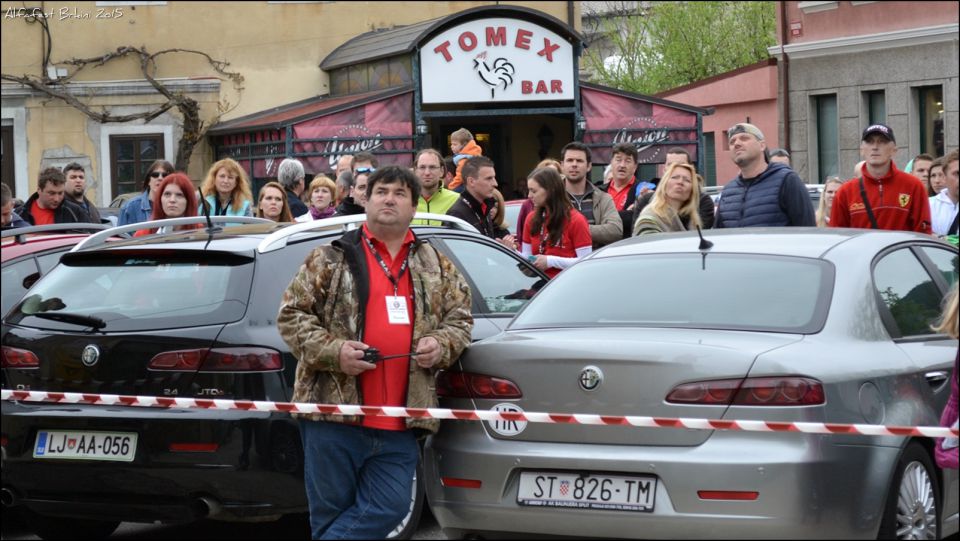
<point x="526" y="87"/>
<point x="523" y="39"/>
<point x="541" y="87"/>
<point x="556" y="87"/>
<point x="548" y="49"/>
<point x="496" y="36"/>
<point x="442" y="49"/>
<point x="468" y="41"/>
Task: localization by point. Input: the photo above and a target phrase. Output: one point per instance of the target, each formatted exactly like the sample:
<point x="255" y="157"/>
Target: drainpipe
<point x="785" y="80"/>
<point x="570" y="11"/>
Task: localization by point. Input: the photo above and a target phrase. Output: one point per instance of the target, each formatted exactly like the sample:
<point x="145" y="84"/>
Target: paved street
<point x="287" y="528"/>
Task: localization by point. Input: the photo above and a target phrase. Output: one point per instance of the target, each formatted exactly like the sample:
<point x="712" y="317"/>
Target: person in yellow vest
<point x="434" y="198"/>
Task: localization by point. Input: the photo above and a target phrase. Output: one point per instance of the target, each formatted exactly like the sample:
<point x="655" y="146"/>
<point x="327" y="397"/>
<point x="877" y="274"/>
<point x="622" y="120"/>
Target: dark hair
<point x="73" y="166"/>
<point x="775" y="152"/>
<point x="434" y="152"/>
<point x="364" y="157"/>
<point x="558" y="205"/>
<point x="285" y="215"/>
<point x="48" y="175"/>
<point x="627" y="149"/>
<point x="158" y="164"/>
<point x="679" y="150"/>
<point x="448" y="165"/>
<point x="576" y="145"/>
<point x="473" y="165"/>
<point x="395" y="173"/>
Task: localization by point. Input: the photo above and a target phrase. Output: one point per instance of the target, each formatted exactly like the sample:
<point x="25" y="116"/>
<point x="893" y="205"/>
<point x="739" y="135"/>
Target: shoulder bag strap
<point x="866" y="205"/>
<point x="955" y="226"/>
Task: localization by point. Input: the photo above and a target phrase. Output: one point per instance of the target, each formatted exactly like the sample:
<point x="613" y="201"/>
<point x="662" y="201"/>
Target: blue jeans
<point x="358" y="480"/>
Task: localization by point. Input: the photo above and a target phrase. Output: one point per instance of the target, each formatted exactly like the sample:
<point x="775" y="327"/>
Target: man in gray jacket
<point x="596" y="206"/>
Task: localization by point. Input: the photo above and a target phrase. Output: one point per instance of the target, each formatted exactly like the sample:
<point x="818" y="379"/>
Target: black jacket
<point x="67" y="213"/>
<point x="297" y="207"/>
<point x="468" y="209"/>
<point x="348" y="207"/>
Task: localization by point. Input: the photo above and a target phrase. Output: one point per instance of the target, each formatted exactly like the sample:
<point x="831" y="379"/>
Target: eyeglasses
<point x="362" y="170"/>
<point x="158" y="174"/>
<point x="428" y="168"/>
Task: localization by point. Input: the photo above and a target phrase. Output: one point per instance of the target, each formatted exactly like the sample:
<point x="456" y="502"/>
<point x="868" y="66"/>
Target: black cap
<point x="881" y="129"/>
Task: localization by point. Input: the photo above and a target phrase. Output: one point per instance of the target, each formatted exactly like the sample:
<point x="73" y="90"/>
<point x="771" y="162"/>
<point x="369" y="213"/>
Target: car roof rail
<point x="101" y="237"/>
<point x="20" y="232"/>
<point x="278" y="239"/>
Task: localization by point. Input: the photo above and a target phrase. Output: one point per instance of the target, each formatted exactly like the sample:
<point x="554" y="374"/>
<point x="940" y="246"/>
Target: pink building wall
<point x="847" y="19"/>
<point x="736" y="96"/>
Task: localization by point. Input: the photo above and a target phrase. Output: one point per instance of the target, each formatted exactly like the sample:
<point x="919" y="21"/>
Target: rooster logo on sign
<point x="501" y="73"/>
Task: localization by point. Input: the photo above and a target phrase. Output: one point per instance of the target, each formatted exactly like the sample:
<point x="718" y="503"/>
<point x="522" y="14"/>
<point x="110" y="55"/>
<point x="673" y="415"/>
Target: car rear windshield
<point x="720" y="291"/>
<point x="139" y="291"/>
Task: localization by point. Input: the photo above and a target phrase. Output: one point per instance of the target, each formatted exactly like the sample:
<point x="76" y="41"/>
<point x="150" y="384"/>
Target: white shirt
<point x="942" y="212"/>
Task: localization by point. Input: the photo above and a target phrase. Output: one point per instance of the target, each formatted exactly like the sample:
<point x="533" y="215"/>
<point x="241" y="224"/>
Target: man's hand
<point x="351" y="358"/>
<point x="428" y="352"/>
<point x="510" y="241"/>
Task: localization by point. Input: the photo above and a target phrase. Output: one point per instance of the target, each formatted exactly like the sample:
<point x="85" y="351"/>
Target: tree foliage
<point x="664" y="45"/>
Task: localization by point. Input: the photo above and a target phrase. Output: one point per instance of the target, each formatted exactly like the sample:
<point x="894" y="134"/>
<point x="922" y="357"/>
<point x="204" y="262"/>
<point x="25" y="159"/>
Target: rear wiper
<point x="79" y="319"/>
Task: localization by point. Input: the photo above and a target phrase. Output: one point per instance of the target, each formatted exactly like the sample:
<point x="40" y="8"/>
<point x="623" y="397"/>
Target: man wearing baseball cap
<point x="883" y="197"/>
<point x="764" y="194"/>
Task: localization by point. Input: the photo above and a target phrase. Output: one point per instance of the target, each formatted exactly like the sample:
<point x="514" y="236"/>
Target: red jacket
<point x="899" y="202"/>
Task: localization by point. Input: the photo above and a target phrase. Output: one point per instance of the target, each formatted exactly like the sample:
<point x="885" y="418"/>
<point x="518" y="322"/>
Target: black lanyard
<point x="383" y="264"/>
<point x="221" y="210"/>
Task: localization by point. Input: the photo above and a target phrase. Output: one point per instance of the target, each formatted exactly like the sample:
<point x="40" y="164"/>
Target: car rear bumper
<point x="254" y="471"/>
<point x="808" y="487"/>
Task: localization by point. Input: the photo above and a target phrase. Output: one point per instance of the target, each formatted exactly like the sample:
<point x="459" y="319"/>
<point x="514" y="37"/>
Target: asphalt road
<point x="294" y="527"/>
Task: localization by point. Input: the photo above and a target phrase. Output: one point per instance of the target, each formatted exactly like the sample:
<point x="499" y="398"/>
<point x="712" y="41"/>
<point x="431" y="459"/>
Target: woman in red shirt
<point x="555" y="235"/>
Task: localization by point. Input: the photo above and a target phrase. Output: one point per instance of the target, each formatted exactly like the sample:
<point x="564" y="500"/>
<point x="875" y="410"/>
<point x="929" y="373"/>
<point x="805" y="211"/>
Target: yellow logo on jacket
<point x="904" y="199"/>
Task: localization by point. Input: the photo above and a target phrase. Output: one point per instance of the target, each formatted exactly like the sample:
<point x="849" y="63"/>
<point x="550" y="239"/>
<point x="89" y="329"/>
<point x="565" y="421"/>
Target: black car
<point x="184" y="314"/>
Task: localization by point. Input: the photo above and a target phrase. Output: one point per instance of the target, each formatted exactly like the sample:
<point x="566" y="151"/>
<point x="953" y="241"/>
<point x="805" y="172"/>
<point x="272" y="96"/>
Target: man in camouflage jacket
<point x="323" y="318"/>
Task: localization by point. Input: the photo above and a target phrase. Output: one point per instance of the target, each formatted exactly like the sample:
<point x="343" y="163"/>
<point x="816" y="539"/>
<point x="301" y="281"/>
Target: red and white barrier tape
<point x="476" y="415"/>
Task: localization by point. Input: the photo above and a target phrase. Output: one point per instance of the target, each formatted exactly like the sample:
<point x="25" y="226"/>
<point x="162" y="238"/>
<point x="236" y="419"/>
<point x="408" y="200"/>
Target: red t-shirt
<point x="576" y="234"/>
<point x="387" y="384"/>
<point x="42" y="216"/>
<point x="620" y="196"/>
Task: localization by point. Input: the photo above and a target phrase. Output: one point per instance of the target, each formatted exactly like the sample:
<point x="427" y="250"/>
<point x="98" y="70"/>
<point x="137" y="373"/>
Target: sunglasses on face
<point x="158" y="174"/>
<point x="362" y="170"/>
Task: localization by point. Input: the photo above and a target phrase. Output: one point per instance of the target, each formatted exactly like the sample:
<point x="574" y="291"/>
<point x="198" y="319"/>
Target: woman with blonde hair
<point x="323" y="199"/>
<point x="946" y="452"/>
<point x="273" y="203"/>
<point x="830" y="188"/>
<point x="227" y="189"/>
<point x="675" y="202"/>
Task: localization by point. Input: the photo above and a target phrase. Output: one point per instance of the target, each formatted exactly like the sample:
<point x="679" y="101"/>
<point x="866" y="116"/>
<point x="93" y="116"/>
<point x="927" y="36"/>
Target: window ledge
<point x="815" y="7"/>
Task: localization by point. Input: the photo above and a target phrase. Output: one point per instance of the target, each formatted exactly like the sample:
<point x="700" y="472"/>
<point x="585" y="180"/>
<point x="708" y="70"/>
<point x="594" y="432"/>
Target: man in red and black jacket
<point x="884" y="197"/>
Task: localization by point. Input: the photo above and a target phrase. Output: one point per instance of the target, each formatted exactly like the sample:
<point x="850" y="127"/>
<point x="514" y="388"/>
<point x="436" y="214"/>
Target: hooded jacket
<point x="324" y="306"/>
<point x="472" y="149"/>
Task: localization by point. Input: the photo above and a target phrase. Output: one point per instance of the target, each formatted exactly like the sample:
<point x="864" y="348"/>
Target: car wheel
<point x="47" y="527"/>
<point x="408" y="526"/>
<point x="912" y="510"/>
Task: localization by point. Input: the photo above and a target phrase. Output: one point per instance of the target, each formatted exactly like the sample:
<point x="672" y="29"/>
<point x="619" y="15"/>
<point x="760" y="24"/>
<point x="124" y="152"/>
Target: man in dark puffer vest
<point x="763" y="195"/>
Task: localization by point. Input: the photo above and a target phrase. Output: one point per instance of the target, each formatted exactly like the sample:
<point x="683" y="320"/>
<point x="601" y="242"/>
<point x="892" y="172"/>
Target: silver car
<point x="782" y="325"/>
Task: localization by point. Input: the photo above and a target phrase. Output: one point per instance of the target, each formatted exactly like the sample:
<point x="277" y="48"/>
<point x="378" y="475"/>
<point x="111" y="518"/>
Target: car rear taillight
<point x="771" y="391"/>
<point x="470" y="385"/>
<point x="240" y="359"/>
<point x="19" y="358"/>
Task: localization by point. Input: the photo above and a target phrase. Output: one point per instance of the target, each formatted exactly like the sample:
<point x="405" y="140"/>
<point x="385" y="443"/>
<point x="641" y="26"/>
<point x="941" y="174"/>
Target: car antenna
<point x="206" y="211"/>
<point x="705" y="246"/>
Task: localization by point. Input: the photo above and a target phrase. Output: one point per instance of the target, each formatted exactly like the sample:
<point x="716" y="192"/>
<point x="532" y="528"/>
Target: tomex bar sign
<point x="494" y="60"/>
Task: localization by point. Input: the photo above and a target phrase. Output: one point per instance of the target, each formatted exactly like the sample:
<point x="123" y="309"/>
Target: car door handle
<point x="936" y="379"/>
